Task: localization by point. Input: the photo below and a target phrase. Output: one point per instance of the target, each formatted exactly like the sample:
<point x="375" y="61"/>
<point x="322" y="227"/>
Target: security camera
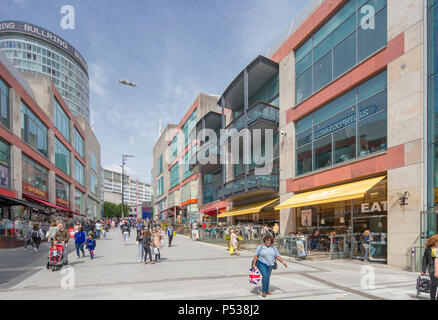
<point x="283" y="133"/>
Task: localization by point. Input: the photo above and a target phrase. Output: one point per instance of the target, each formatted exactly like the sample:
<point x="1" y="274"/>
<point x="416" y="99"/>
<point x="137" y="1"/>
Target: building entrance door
<point x="378" y="226"/>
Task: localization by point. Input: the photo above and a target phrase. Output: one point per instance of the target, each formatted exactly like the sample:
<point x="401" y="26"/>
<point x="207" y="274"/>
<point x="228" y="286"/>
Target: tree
<point x="111" y="210"/>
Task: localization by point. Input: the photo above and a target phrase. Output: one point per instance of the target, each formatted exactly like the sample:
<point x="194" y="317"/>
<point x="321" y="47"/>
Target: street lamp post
<point x="124" y="158"/>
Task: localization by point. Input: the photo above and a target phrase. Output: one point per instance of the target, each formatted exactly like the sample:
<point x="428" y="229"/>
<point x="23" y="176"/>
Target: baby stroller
<point x="55" y="258"/>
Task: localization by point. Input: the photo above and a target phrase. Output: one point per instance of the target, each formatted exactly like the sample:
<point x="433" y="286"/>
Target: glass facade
<point x="174" y="175"/>
<point x="35" y="56"/>
<point x="34" y="174"/>
<point x="78" y="143"/>
<point x="62" y="121"/>
<point x="79" y="172"/>
<point x="353" y="125"/>
<point x="173" y="148"/>
<point x="268" y="93"/>
<point x="160" y="186"/>
<point x="33" y="131"/>
<point x="341" y="43"/>
<point x="212" y="184"/>
<point x="62" y="157"/>
<point x="5" y="165"/>
<point x="93" y="162"/>
<point x="188" y="127"/>
<point x="4" y="104"/>
<point x="160" y="165"/>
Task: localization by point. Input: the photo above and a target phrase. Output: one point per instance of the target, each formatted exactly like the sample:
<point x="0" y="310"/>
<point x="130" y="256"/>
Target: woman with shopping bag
<point x="265" y="260"/>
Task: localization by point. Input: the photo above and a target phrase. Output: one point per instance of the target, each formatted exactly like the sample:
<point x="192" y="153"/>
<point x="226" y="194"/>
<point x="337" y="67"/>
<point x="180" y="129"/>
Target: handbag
<point x="275" y="266"/>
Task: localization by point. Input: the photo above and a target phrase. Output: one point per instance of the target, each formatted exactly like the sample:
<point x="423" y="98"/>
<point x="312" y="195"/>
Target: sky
<point x="172" y="50"/>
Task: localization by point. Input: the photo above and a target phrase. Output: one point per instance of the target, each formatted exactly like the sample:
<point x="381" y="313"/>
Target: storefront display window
<point x="34" y="174"/>
<point x="62" y="191"/>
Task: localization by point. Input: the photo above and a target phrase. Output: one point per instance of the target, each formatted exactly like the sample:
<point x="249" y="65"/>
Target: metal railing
<point x="259" y="111"/>
<point x="241" y="185"/>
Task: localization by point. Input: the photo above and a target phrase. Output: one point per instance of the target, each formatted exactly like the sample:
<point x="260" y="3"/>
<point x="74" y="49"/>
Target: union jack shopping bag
<point x="254" y="276"/>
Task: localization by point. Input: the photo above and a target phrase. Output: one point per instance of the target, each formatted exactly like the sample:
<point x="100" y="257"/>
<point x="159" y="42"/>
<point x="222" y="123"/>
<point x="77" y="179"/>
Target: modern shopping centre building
<point x="350" y="96"/>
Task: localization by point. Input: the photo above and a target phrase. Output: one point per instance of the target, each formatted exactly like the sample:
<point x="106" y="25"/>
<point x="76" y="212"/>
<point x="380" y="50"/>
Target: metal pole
<point x="123" y="183"/>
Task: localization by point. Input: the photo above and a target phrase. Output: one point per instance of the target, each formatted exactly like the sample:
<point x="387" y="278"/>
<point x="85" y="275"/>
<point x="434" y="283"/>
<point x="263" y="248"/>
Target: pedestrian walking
<point x="125" y="232"/>
<point x="52" y="231"/>
<point x="234" y="240"/>
<point x="265" y="260"/>
<point x="91" y="245"/>
<point x="62" y="236"/>
<point x="369" y="249"/>
<point x="147" y="242"/>
<point x="140" y="251"/>
<point x="170" y="233"/>
<point x="158" y="237"/>
<point x="79" y="242"/>
<point x="429" y="264"/>
<point x="36" y="236"/>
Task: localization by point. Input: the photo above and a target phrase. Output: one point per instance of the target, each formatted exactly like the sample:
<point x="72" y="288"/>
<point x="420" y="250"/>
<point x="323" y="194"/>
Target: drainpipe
<point x="426" y="104"/>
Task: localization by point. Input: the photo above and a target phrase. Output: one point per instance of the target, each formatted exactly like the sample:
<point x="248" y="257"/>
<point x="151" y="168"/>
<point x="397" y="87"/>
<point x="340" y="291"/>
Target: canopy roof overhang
<point x="348" y="191"/>
<point x="247" y="209"/>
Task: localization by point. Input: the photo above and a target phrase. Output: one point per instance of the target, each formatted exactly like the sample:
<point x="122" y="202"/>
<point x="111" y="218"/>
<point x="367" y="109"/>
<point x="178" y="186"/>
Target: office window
<point x="160" y="186"/>
<point x="5" y="165"/>
<point x="33" y="131"/>
<point x="340" y="44"/>
<point x="79" y="172"/>
<point x="62" y="157"/>
<point x="188" y="127"/>
<point x="62" y="189"/>
<point x="4" y="104"/>
<point x="79" y="201"/>
<point x="33" y="173"/>
<point x="78" y="143"/>
<point x="174" y="175"/>
<point x="62" y="121"/>
<point x="160" y="165"/>
<point x="351" y="126"/>
<point x="174" y="148"/>
<point x="93" y="162"/>
<point x="93" y="183"/>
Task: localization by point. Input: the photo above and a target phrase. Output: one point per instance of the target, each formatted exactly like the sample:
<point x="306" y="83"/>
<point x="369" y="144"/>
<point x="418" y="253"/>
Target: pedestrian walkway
<point x="196" y="270"/>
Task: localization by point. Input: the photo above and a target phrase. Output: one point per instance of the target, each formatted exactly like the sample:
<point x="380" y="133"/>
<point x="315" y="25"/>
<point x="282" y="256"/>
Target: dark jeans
<point x="147" y="251"/>
<point x="80" y="246"/>
<point x="266" y="271"/>
<point x="433" y="287"/>
<point x="36" y="242"/>
<point x="170" y="241"/>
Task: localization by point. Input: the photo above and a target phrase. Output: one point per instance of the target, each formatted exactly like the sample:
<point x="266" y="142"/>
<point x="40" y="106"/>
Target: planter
<point x="10" y="243"/>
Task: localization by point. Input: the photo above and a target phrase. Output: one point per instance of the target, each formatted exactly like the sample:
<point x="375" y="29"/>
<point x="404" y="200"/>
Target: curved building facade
<point x="35" y="50"/>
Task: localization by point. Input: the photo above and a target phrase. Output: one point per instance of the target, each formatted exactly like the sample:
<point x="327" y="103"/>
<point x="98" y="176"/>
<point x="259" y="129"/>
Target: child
<point x="54" y="254"/>
<point x="91" y="244"/>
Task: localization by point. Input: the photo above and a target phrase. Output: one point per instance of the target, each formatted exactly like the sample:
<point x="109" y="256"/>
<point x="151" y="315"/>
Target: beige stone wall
<point x="405" y="127"/>
<point x="287" y="143"/>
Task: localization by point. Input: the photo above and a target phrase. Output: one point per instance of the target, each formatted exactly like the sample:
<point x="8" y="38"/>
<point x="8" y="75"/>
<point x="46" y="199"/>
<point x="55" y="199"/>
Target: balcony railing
<point x="250" y="183"/>
<point x="207" y="150"/>
<point x="259" y="111"/>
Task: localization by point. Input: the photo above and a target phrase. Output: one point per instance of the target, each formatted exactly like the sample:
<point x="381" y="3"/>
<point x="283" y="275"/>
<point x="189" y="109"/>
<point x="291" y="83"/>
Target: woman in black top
<point x="429" y="265"/>
<point x="147" y="240"/>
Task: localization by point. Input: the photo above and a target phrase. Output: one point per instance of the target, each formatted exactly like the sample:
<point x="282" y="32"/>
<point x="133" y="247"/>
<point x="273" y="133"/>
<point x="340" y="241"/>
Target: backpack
<point x="35" y="234"/>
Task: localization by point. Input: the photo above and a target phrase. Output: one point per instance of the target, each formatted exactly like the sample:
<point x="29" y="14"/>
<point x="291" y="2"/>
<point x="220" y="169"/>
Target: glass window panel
<point x="337" y="105"/>
<point x="334" y="38"/>
<point x="344" y="55"/>
<point x="376" y="4"/>
<point x="304" y="159"/>
<point x="340" y="16"/>
<point x="304" y="124"/>
<point x="345" y="144"/>
<point x="373" y="105"/>
<point x="335" y="123"/>
<point x="304" y="86"/>
<point x="372" y="134"/>
<point x="322" y="72"/>
<point x="303" y="50"/>
<point x="372" y="86"/>
<point x="304" y="138"/>
<point x="323" y="153"/>
<point x="303" y="64"/>
<point x="370" y="40"/>
<point x="433" y="40"/>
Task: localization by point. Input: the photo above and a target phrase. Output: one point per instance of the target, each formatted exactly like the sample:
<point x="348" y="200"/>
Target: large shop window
<point x="78" y="143"/>
<point x="62" y="157"/>
<point x="62" y="121"/>
<point x="5" y="165"/>
<point x="33" y="131"/>
<point x="341" y="43"/>
<point x="34" y="174"/>
<point x="93" y="183"/>
<point x="79" y="172"/>
<point x="212" y="184"/>
<point x="4" y="104"/>
<point x="353" y="125"/>
<point x="79" y="201"/>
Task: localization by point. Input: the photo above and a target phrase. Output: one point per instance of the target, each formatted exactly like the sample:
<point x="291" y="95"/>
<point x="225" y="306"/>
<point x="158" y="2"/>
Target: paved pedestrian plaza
<point x="193" y="270"/>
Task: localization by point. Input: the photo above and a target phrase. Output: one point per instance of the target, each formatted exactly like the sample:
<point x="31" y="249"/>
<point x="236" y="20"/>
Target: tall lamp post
<point x="124" y="158"/>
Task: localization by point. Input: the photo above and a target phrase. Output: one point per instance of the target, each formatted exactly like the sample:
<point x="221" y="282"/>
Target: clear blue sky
<point x="172" y="49"/>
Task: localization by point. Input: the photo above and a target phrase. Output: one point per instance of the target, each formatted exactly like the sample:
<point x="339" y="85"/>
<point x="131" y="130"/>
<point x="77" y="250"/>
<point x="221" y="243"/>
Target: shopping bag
<point x="254" y="276"/>
<point x="231" y="250"/>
